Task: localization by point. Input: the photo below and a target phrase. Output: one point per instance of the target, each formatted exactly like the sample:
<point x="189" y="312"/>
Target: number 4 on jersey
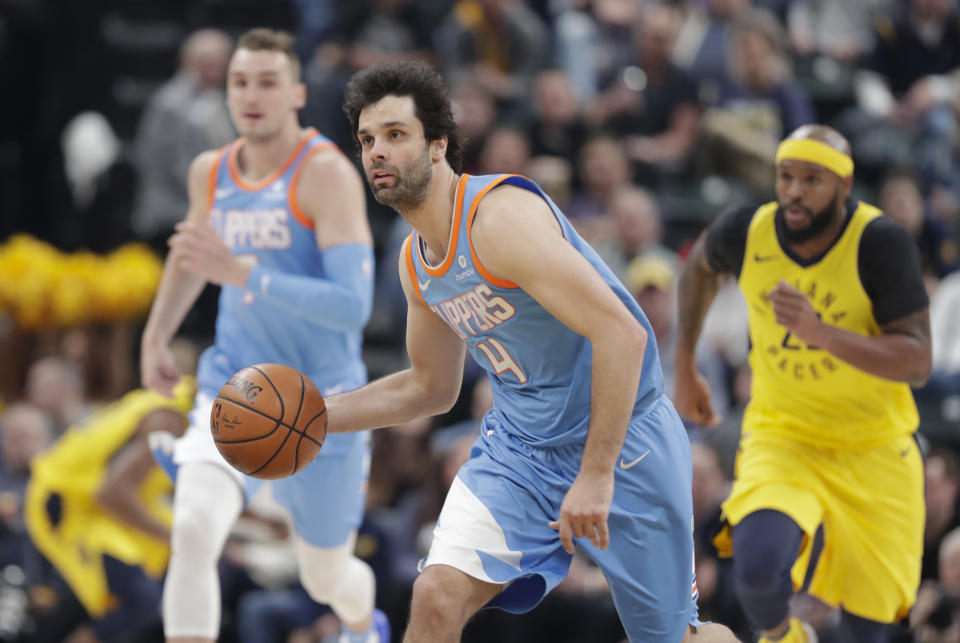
<point x="500" y="359"/>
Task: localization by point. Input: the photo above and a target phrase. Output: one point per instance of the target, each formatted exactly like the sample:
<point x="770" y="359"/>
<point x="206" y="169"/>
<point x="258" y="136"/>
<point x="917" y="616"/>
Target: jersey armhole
<point x="299" y="214"/>
<point x="406" y="251"/>
<point x="212" y="178"/>
<point x="474" y="206"/>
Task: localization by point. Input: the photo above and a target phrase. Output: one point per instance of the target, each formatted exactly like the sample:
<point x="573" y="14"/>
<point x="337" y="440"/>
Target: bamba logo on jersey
<point x="474" y="311"/>
<point x="258" y="229"/>
<point x="793" y="357"/>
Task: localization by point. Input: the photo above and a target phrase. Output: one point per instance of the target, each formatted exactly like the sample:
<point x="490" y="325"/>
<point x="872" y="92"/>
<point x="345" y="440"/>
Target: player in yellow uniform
<point x="98" y="508"/>
<point x="839" y="330"/>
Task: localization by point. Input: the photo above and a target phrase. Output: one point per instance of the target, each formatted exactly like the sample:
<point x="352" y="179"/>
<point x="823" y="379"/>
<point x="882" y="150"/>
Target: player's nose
<point x="378" y="150"/>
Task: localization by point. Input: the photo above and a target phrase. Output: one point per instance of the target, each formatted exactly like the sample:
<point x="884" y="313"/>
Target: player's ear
<point x="300" y="96"/>
<point x="846" y="184"/>
<point x="438" y="149"/>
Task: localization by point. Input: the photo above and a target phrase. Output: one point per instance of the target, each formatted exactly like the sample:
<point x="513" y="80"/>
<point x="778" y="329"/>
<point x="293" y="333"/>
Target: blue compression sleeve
<point x="341" y="301"/>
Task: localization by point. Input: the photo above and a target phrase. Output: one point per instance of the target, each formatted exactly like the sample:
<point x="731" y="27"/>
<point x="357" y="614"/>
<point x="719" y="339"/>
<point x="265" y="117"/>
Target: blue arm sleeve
<point x="341" y="301"/>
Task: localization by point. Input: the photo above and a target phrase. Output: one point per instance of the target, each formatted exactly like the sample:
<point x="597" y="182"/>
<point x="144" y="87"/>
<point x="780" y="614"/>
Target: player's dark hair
<point x="430" y="99"/>
<point x="263" y="39"/>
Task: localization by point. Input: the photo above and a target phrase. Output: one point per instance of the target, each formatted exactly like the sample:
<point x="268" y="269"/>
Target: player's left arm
<point x="517" y="238"/>
<point x="330" y="193"/>
<point x="889" y="267"/>
<point x="129" y="467"/>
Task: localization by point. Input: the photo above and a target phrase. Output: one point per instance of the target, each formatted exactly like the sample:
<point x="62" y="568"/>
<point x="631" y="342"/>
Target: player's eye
<point x="396" y="133"/>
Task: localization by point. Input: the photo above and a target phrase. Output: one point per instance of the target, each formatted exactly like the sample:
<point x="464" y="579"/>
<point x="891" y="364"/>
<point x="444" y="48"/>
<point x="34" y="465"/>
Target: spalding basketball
<point x="269" y="421"/>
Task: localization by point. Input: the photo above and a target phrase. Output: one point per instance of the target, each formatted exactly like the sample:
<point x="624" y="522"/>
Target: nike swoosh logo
<point x="627" y="465"/>
<point x="758" y="258"/>
<point x="423" y="284"/>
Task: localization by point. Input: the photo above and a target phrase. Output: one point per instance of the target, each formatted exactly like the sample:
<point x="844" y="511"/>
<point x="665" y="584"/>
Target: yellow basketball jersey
<point x="800" y="391"/>
<point x="74" y="469"/>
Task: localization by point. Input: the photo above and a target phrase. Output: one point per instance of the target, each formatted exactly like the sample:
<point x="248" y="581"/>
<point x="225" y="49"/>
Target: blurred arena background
<point x="642" y="119"/>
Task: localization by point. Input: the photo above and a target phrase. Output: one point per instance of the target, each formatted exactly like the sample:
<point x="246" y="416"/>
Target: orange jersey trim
<point x="212" y="179"/>
<point x="500" y="283"/>
<point x="407" y="251"/>
<point x="259" y="185"/>
<point x="298" y="214"/>
<point x="440" y="270"/>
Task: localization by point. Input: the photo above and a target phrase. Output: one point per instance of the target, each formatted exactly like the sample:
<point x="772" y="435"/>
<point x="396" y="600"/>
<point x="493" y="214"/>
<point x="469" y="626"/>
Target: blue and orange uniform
<point x="263" y="223"/>
<point x="494" y="523"/>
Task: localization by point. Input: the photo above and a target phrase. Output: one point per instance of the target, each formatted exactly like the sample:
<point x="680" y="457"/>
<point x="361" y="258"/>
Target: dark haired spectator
<point x="759" y="106"/>
<point x="942" y="492"/>
<point x="500" y="44"/>
<point x="186" y="116"/>
<point x="557" y="127"/>
<point x="902" y="201"/>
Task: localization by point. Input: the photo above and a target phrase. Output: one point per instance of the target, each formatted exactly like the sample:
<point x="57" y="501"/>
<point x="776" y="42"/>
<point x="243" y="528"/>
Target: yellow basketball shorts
<point x="870" y="503"/>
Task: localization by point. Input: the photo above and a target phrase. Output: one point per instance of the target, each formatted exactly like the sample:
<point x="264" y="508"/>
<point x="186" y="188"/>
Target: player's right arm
<point x="129" y="467"/>
<point x="429" y="387"/>
<point x="718" y="250"/>
<point x="179" y="289"/>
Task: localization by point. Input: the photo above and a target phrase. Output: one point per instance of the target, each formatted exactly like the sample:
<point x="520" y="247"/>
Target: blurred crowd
<point x="642" y="119"/>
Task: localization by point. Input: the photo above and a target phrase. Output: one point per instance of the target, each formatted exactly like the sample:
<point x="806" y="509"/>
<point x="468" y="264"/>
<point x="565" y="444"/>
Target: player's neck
<point x="259" y="158"/>
<point x="433" y="219"/>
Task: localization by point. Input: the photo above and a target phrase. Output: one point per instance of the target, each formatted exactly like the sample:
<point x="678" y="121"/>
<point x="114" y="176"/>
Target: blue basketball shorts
<point x="493" y="525"/>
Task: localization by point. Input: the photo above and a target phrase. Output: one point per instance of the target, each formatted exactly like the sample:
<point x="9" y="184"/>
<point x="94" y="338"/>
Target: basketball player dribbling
<point x="582" y="448"/>
<point x="278" y="219"/>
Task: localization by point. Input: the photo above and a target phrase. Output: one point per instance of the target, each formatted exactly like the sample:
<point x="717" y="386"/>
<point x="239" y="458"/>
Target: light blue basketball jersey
<point x="539" y="368"/>
<point x="262" y="223"/>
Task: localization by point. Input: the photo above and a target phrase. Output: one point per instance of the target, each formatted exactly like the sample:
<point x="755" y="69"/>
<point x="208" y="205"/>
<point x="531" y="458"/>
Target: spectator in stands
<point x="758" y="106"/>
<point x="652" y="102"/>
<point x="906" y="89"/>
<point x="703" y="41"/>
<point x="840" y="30"/>
<point x="475" y="111"/>
<point x="602" y="168"/>
<point x="500" y="44"/>
<point x="902" y="201"/>
<point x="942" y="492"/>
<point x="557" y="127"/>
<point x="592" y="44"/>
<point x="25" y="431"/>
<point x="57" y="386"/>
<point x="635" y="229"/>
<point x="506" y="150"/>
<point x="187" y="115"/>
<point x="935" y="618"/>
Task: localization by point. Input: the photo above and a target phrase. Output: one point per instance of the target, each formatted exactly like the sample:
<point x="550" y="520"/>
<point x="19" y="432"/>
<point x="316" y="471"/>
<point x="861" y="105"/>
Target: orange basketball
<point x="269" y="421"/>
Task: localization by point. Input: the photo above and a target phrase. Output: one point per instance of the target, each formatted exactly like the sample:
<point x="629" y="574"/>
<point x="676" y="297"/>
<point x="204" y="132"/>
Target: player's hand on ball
<point x="794" y="312"/>
<point x="584" y="511"/>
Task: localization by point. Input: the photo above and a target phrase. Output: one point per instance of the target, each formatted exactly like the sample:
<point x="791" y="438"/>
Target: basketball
<point x="269" y="421"/>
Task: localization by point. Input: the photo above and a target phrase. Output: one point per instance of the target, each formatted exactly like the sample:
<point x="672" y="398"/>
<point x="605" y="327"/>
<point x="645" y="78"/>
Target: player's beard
<point x="819" y="221"/>
<point x="410" y="188"/>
